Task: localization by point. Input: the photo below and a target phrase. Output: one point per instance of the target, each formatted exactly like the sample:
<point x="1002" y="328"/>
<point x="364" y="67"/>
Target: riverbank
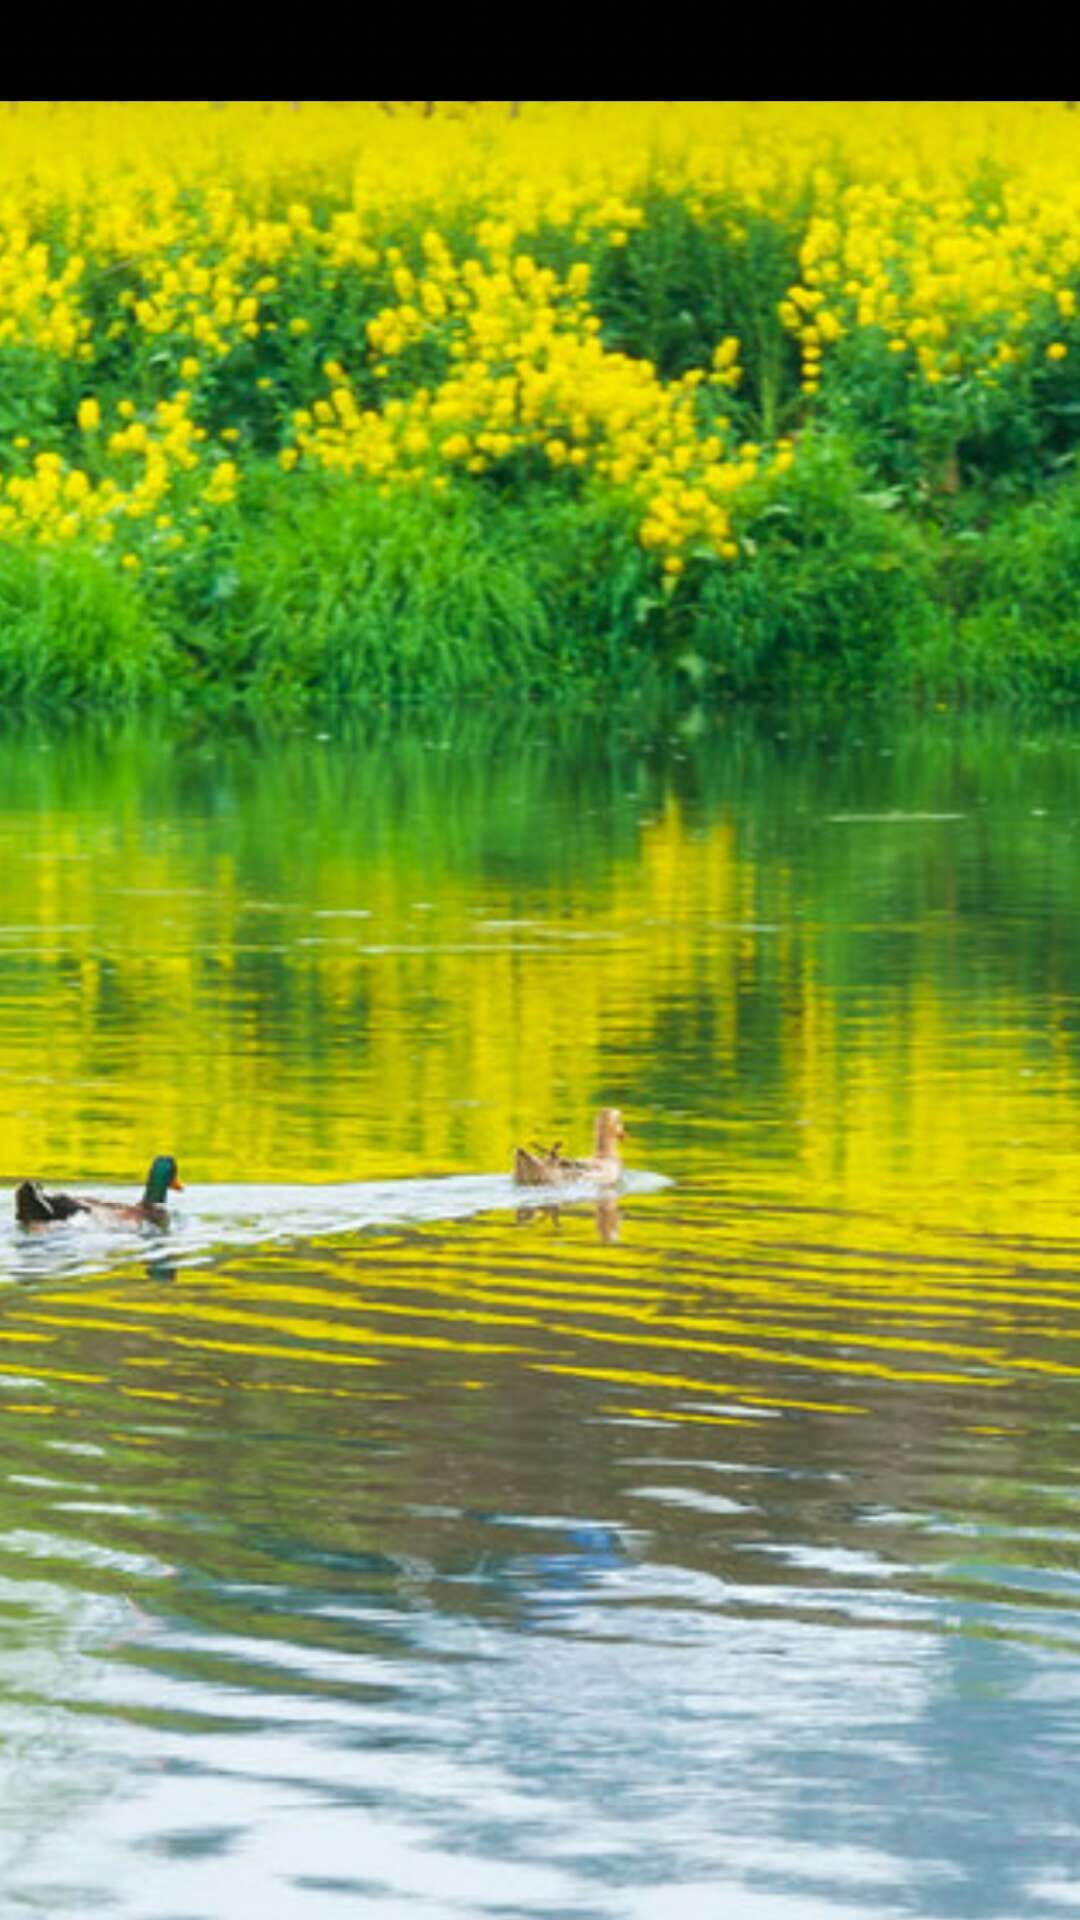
<point x="365" y="403"/>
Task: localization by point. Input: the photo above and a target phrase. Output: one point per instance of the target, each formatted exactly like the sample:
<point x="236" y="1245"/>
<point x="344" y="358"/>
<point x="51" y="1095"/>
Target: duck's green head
<point x="160" y="1178"/>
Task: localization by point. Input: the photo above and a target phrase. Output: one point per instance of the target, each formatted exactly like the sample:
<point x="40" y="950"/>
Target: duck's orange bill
<point x="176" y="1185"/>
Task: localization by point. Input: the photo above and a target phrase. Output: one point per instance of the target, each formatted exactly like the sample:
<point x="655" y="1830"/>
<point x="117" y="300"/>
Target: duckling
<point x="547" y="1167"/>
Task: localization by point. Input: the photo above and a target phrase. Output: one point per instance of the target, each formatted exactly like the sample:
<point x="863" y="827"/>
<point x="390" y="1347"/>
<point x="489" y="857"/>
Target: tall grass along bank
<point x="386" y="400"/>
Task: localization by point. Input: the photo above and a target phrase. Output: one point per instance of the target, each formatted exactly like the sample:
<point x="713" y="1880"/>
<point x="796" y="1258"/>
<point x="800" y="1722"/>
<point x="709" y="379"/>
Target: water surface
<point x="371" y="1543"/>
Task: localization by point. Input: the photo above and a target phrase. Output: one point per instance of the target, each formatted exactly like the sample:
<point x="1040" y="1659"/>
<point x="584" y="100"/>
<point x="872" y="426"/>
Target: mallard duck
<point x="547" y="1167"/>
<point x="35" y="1208"/>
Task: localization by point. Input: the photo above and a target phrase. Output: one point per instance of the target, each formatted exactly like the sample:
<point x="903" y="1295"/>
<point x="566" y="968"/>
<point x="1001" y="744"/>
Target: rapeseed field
<point x="377" y="398"/>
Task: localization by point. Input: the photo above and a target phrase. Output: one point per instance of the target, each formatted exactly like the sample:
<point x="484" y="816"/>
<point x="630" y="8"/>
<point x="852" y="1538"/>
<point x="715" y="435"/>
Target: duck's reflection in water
<point x="606" y="1208"/>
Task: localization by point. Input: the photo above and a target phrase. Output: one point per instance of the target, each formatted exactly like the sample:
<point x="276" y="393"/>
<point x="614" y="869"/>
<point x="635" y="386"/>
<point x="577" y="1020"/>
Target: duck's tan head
<point x="609" y="1129"/>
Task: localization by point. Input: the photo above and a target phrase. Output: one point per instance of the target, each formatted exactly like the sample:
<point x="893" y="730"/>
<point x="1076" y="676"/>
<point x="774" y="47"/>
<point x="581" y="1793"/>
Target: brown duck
<point x="547" y="1167"/>
<point x="35" y="1208"/>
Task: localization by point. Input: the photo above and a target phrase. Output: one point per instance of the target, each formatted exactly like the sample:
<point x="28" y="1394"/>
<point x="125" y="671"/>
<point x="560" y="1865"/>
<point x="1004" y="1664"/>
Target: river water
<point x="370" y="1543"/>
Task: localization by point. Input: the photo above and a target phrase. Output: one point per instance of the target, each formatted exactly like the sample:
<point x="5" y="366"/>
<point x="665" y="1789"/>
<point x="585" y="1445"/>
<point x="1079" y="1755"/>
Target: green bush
<point x="836" y="584"/>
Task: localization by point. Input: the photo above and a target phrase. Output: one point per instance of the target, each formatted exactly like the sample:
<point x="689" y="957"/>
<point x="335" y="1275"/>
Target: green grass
<point x="72" y="629"/>
<point x="321" y="591"/>
<point x="324" y="590"/>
